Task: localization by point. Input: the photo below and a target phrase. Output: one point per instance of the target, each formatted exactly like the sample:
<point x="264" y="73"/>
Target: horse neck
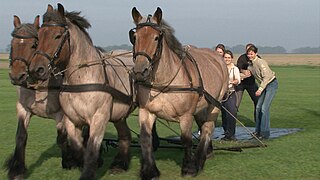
<point x="168" y="66"/>
<point x="83" y="52"/>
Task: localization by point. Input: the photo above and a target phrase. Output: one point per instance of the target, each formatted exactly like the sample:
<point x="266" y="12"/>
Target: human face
<point x="251" y="55"/>
<point x="228" y="58"/>
<point x="220" y="51"/>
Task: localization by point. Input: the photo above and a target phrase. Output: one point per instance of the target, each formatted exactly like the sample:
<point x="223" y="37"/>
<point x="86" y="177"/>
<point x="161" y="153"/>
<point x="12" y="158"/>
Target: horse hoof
<point x="68" y="164"/>
<point x="190" y="173"/>
<point x="18" y="177"/>
<point x="116" y="171"/>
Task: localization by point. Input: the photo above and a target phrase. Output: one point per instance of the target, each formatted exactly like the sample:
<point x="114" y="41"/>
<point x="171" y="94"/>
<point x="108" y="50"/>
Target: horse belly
<point x="82" y="107"/>
<point x="119" y="111"/>
<point x="171" y="107"/>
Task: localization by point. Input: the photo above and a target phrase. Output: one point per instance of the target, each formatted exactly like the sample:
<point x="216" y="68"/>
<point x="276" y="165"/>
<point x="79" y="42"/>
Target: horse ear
<point x="61" y="9"/>
<point x="158" y="15"/>
<point x="136" y="15"/>
<point x="16" y="21"/>
<point x="50" y="8"/>
<point x="36" y="22"/>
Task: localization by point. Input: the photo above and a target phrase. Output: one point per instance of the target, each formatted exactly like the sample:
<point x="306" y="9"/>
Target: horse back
<point x="213" y="70"/>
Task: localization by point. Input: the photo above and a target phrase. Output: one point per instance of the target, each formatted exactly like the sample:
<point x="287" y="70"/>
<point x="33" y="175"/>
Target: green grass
<point x="295" y="156"/>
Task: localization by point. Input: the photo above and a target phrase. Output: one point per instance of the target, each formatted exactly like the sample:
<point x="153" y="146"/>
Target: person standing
<point x="247" y="81"/>
<point x="229" y="109"/>
<point x="268" y="86"/>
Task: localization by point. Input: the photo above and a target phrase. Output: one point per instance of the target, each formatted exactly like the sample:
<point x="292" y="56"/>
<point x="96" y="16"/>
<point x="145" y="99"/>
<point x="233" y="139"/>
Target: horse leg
<point x="148" y="169"/>
<point x="15" y="164"/>
<point x="200" y="118"/>
<point x="62" y="137"/>
<point x="92" y="151"/>
<point x="188" y="165"/>
<point x="155" y="137"/>
<point x="122" y="159"/>
<point x="73" y="157"/>
<point x="205" y="139"/>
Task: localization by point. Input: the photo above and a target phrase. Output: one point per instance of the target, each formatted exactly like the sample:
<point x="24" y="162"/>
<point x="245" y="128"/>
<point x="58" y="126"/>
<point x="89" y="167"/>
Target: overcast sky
<point x="204" y="23"/>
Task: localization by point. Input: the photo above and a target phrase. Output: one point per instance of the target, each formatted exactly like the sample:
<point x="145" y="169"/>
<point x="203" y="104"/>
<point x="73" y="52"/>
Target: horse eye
<point x="157" y="38"/>
<point x="58" y="36"/>
<point x="34" y="46"/>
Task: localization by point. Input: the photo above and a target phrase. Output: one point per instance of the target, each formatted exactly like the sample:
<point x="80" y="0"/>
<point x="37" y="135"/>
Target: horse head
<point x="147" y="43"/>
<point x="53" y="47"/>
<point x="23" y="46"/>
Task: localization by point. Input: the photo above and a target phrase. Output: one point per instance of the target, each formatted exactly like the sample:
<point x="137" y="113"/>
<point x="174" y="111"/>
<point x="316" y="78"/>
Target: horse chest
<point x="39" y="103"/>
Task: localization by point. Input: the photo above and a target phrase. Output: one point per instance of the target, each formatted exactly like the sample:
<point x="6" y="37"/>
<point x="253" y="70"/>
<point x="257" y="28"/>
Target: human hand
<point x="258" y="93"/>
<point x="247" y="73"/>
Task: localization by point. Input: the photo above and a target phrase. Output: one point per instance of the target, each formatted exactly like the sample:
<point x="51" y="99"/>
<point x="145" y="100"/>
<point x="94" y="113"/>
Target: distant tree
<point x="272" y="50"/>
<point x="114" y="47"/>
<point x="307" y="50"/>
<point x="238" y="49"/>
<point x="8" y="48"/>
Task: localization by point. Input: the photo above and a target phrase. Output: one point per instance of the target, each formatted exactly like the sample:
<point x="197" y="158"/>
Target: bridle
<point x="22" y="59"/>
<point x="157" y="55"/>
<point x="65" y="37"/>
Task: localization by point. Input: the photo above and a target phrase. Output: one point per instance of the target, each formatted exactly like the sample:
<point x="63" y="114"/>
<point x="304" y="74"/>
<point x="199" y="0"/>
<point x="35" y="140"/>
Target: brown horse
<point x="176" y="84"/>
<point x="43" y="103"/>
<point x="96" y="88"/>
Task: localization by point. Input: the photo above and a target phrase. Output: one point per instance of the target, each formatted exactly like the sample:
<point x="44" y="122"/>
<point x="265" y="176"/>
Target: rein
<point x="157" y="56"/>
<point x="105" y="87"/>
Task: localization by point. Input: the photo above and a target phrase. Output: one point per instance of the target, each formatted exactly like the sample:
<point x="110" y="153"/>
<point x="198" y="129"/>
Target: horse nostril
<point x="23" y="76"/>
<point x="40" y="71"/>
<point x="145" y="71"/>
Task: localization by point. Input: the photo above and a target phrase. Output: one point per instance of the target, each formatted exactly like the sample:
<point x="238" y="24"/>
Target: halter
<point x="157" y="55"/>
<point x="65" y="36"/>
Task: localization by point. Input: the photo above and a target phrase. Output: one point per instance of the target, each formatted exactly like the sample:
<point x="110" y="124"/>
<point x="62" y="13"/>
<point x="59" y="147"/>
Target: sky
<point x="204" y="23"/>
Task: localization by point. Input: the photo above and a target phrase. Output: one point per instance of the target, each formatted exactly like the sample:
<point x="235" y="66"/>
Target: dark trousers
<point x="229" y="122"/>
<point x="251" y="89"/>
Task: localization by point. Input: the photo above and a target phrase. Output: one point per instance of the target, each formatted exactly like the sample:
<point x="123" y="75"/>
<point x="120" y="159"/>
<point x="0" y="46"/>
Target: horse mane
<point x="74" y="17"/>
<point x="171" y="40"/>
<point x="28" y="28"/>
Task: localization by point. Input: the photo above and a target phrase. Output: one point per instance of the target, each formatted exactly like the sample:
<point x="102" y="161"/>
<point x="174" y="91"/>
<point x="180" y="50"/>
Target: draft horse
<point x="43" y="103"/>
<point x="95" y="89"/>
<point x="175" y="83"/>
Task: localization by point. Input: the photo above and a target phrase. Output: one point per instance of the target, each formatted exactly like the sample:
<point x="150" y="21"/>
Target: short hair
<point x="252" y="48"/>
<point x="221" y="46"/>
<point x="228" y="52"/>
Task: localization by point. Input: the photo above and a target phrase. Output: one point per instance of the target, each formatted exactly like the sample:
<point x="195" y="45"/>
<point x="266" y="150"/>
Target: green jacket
<point x="262" y="73"/>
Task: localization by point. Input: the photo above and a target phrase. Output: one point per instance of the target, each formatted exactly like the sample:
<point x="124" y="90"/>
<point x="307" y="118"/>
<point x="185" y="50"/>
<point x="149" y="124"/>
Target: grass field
<point x="295" y="156"/>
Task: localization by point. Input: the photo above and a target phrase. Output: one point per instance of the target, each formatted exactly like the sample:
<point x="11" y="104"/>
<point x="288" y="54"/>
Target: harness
<point x="104" y="87"/>
<point x="157" y="56"/>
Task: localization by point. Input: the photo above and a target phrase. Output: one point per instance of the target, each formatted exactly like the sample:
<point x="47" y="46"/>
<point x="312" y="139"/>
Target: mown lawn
<point x="295" y="156"/>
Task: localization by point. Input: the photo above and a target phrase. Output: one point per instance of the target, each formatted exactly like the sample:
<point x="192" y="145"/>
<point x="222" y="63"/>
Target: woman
<point x="230" y="100"/>
<point x="268" y="86"/>
<point x="220" y="48"/>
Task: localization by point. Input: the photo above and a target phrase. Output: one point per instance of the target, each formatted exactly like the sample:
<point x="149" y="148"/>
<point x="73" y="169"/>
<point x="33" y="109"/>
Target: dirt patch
<point x="272" y="59"/>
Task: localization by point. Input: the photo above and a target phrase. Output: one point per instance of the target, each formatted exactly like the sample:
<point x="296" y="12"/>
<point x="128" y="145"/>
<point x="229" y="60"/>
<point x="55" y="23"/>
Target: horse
<point x="96" y="88"/>
<point x="175" y="83"/>
<point x="43" y="103"/>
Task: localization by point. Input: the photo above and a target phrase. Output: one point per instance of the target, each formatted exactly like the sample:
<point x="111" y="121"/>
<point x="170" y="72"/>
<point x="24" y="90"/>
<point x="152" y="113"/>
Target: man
<point x="247" y="80"/>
